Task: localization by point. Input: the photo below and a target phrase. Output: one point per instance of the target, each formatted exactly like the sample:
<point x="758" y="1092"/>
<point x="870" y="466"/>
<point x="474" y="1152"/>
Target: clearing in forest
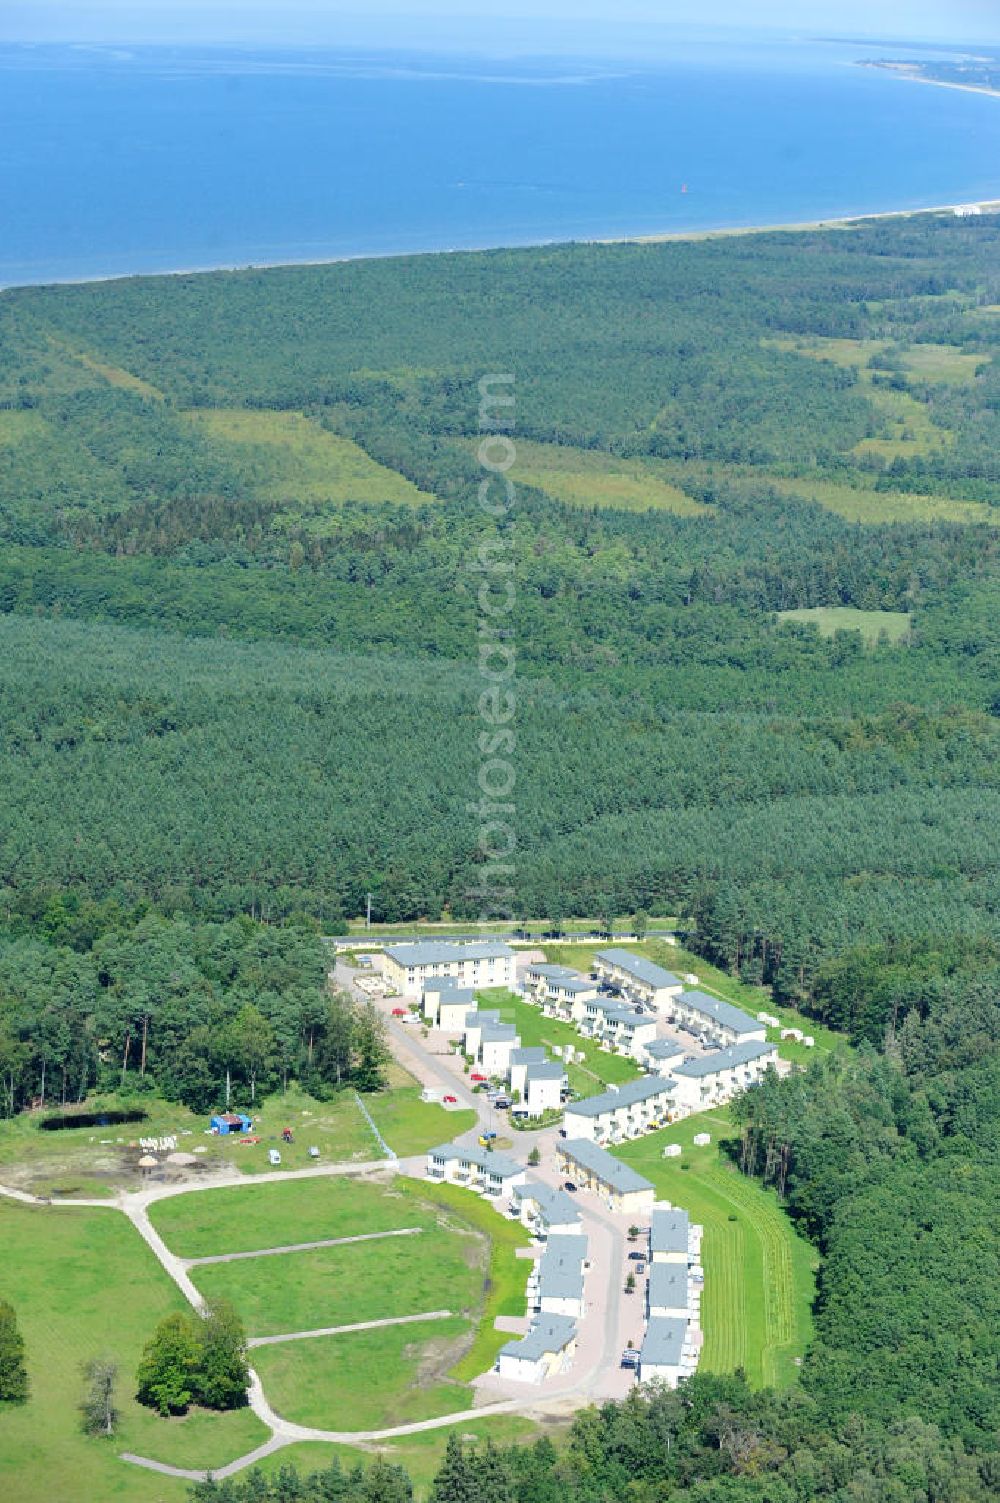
<point x="588" y="477"/>
<point x="874" y="626"/>
<point x="305" y="464"/>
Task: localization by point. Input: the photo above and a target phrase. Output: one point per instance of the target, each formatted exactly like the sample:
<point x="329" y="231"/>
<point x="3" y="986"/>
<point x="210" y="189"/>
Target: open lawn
<point x="874" y="626"/>
<point x="303" y="465"/>
<point x="410" y="1125"/>
<point x="759" y="1273"/>
<point x="445" y="1267"/>
<point x="598" y="1069"/>
<point x="366" y="1379"/>
<point x="247" y="1217"/>
<point x="85" y="1285"/>
<point x="863" y="503"/>
<point x="435" y="1269"/>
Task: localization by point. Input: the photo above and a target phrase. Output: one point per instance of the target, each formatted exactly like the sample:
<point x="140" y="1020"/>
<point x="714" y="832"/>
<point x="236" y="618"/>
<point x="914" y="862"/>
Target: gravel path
<point x="290" y="1247"/>
<point x="361" y="1325"/>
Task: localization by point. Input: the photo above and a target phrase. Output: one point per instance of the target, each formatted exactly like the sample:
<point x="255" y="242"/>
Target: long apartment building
<point x="638" y="978"/>
<point x="593" y="1168"/>
<point x="624" y="1112"/>
<point x="714" y="1020"/>
<point x="715" y="1078"/>
<point x="484" y="963"/>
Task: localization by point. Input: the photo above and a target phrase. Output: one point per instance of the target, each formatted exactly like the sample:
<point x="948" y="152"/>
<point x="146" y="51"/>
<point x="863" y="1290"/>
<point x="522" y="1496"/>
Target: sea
<point x="117" y="160"/>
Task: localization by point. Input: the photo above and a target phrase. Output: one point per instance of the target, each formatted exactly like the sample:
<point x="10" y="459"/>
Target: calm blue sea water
<point x="117" y="161"/>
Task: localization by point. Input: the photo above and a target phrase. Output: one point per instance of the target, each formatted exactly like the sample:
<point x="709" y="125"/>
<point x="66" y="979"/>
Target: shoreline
<point x="652" y="237"/>
<point x="937" y="83"/>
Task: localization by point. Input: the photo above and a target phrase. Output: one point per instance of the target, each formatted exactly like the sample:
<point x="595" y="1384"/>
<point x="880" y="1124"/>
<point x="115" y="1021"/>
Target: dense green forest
<point x="238" y="534"/>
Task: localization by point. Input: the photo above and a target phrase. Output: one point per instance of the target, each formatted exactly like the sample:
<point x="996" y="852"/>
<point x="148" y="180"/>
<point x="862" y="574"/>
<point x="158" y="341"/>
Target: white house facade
<point x="480" y="964"/>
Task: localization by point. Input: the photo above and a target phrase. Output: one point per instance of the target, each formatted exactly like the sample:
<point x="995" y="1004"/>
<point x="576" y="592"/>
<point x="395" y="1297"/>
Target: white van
<point x="273" y="1157"/>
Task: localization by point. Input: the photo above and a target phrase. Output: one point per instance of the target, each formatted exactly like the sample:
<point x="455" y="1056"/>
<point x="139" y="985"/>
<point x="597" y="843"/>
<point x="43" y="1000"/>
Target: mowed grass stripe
<point x="759" y="1274"/>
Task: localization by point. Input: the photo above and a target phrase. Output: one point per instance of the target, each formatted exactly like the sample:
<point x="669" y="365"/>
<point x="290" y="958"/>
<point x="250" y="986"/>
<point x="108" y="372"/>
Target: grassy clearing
<point x="118" y="377"/>
<point x="305" y="464"/>
<point x="245" y="1218"/>
<point x="100" y="1161"/>
<point x="874" y="626"/>
<point x="867" y="505"/>
<point x="907" y="428"/>
<point x="437" y="1269"/>
<point x="534" y="1028"/>
<point x="587" y="477"/>
<point x="410" y="1125"/>
<point x="17" y="426"/>
<point x="84" y="1285"/>
<point x="946" y="363"/>
<point x="366" y="1379"/>
<point x="759" y="1273"/>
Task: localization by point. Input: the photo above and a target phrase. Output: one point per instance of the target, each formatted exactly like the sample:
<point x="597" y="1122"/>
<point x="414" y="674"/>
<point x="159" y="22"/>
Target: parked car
<point x="450" y="1100"/>
<point x="630" y="1357"/>
<point x="399" y="1012"/>
<point x="569" y="1185"/>
<point x="640" y="1266"/>
<point x="637" y="1257"/>
<point x="502" y="1103"/>
<point x="411" y="1017"/>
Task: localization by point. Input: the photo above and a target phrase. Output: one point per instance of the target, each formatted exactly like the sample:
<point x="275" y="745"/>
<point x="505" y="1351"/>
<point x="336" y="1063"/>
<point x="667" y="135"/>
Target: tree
<point x="534" y="1157"/>
<point x="168" y="1374"/>
<point x="13" y="1373"/>
<point x="372" y="1049"/>
<point x="252" y="1044"/>
<point x="98" y="1407"/>
<point x="456" y="1478"/>
<point x="224" y="1375"/>
<point x="640" y="923"/>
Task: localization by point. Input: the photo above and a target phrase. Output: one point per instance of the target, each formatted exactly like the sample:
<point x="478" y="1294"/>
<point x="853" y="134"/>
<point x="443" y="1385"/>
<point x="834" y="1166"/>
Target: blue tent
<point x="227" y="1122"/>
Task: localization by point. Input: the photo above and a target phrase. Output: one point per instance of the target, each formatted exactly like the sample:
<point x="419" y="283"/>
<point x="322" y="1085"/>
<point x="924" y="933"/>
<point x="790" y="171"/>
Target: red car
<point x="479" y="1078"/>
<point x="399" y="1012"/>
<point x="450" y="1100"/>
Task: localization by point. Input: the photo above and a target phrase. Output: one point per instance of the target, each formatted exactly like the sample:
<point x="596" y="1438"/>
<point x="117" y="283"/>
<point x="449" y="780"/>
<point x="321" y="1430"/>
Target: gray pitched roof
<point x="549" y="1069"/>
<point x="439" y="952"/>
<point x="668" y="1286"/>
<point x="720" y="1012"/>
<point x="480" y="1015"/>
<point x="668" y="1231"/>
<point x="498" y="1033"/>
<point x="663" y="1341"/>
<point x="533" y="1054"/>
<point x="639" y="967"/>
<point x="560" y="1272"/>
<point x="598" y="1161"/>
<point x="549" y="1334"/>
<point x="627" y="1095"/>
<point x="553" y="972"/>
<point x="555" y="1206"/>
<point x="453" y="995"/>
<point x="725" y="1059"/>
